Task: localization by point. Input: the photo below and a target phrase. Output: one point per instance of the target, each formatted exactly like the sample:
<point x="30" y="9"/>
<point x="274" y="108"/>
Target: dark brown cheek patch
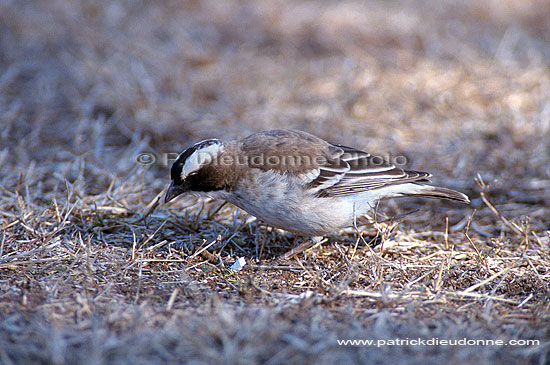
<point x="212" y="179"/>
<point x="177" y="167"/>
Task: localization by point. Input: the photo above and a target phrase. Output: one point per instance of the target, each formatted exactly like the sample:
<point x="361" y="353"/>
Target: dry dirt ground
<point x="97" y="96"/>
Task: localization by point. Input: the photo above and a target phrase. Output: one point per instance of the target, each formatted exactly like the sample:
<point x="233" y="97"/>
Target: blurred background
<point x="457" y="87"/>
<point x="95" y="94"/>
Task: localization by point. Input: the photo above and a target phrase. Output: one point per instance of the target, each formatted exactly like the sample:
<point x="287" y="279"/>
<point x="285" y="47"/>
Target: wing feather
<point x="351" y="171"/>
<point x="329" y="169"/>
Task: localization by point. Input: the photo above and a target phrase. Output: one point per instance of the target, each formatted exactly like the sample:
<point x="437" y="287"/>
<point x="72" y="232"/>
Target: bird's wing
<point x="351" y="171"/>
<point x="326" y="169"/>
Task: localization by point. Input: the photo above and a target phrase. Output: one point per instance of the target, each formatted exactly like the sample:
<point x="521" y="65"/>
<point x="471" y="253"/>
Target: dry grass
<point x="91" y="273"/>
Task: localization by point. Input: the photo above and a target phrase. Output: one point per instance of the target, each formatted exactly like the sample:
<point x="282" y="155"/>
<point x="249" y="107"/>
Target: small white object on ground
<point x="239" y="264"/>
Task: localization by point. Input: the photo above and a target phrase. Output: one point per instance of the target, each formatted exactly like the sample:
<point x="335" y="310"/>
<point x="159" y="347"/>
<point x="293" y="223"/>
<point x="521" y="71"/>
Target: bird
<point x="296" y="181"/>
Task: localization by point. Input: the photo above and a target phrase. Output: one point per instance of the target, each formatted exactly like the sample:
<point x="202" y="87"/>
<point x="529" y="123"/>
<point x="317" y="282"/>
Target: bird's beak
<point x="173" y="191"/>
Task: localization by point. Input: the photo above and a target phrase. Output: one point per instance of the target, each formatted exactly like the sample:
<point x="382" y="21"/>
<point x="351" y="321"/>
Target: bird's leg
<point x="299" y="249"/>
<point x="260" y="248"/>
<point x="373" y="241"/>
<point x="355" y="219"/>
<point x="359" y="234"/>
<point x="263" y="243"/>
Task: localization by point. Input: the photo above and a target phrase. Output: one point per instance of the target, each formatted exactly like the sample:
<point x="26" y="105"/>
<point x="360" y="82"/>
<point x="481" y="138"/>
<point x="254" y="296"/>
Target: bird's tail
<point x="436" y="192"/>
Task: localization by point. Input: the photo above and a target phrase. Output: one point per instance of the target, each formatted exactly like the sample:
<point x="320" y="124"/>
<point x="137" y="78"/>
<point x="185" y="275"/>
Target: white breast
<point x="281" y="201"/>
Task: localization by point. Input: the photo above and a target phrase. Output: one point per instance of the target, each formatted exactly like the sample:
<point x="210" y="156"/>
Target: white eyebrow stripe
<point x="200" y="158"/>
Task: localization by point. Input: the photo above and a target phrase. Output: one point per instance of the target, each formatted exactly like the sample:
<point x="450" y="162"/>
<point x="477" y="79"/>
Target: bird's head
<point x="197" y="170"/>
